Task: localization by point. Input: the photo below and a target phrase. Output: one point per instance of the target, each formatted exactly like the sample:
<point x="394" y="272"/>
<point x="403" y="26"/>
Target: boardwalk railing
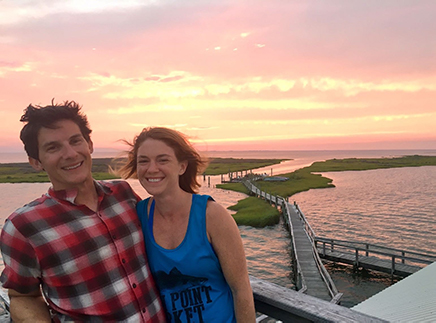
<point x="300" y="281"/>
<point x="324" y="273"/>
<point x="360" y="248"/>
<point x="276" y="302"/>
<point x="283" y="203"/>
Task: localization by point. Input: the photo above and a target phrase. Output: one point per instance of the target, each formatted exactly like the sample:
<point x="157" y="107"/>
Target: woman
<point x="193" y="244"/>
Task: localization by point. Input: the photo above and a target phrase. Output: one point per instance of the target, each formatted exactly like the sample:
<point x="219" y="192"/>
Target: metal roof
<point x="412" y="299"/>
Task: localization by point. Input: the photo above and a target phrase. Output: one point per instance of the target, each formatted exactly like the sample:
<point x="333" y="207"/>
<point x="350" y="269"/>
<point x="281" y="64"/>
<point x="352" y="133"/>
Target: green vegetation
<point x="304" y="179"/>
<point x="348" y="164"/>
<point x="219" y="166"/>
<point x="24" y="173"/>
<point x="255" y="212"/>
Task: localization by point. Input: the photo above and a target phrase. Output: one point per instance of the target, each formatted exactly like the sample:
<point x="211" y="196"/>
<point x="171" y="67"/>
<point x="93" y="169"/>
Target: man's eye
<point x="52" y="148"/>
<point x="76" y="141"/>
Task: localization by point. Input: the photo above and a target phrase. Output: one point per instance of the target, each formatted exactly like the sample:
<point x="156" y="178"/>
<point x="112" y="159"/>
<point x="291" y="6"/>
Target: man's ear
<point x="36" y="164"/>
<point x="91" y="146"/>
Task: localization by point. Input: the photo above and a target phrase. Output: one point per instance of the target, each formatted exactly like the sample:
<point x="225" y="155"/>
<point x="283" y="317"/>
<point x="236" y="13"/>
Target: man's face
<point x="65" y="155"/>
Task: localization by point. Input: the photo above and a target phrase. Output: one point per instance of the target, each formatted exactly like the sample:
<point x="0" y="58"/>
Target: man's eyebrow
<point x="55" y="142"/>
<point x="50" y="143"/>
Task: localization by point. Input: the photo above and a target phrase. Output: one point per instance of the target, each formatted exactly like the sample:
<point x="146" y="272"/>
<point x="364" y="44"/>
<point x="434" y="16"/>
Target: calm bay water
<point x="388" y="207"/>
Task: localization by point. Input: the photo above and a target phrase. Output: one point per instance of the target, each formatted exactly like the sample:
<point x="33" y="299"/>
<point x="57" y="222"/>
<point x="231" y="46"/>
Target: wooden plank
<point x="369" y="262"/>
<point x="290" y="306"/>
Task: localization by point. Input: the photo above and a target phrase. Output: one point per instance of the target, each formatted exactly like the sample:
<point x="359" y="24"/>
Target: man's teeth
<point x="73" y="167"/>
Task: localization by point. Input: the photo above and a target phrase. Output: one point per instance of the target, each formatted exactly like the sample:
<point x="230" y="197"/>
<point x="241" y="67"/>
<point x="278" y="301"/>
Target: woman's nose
<point x="152" y="167"/>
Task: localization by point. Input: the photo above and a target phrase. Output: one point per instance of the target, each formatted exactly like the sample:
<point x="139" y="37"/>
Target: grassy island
<point x="306" y="178"/>
<point x="218" y="166"/>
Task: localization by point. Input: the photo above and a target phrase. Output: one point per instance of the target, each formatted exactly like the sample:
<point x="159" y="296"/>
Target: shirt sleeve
<point x="21" y="270"/>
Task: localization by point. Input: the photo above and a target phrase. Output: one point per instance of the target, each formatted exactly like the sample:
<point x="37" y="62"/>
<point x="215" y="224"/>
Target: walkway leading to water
<point x="303" y="248"/>
<point x="311" y="277"/>
<point x="310" y="274"/>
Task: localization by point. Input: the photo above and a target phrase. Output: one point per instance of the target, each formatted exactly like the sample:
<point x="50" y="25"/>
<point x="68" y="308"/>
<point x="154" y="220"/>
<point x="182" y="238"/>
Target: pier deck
<point x="304" y="250"/>
<point x="369" y="262"/>
<point x="389" y="260"/>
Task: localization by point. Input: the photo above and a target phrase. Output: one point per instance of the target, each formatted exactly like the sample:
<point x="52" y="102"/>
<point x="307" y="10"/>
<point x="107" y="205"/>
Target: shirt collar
<point x="70" y="195"/>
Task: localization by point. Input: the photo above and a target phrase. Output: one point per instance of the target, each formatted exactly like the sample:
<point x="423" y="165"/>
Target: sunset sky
<point x="240" y="75"/>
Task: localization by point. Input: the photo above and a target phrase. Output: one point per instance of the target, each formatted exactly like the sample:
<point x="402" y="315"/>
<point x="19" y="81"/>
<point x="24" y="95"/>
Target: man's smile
<point x="73" y="166"/>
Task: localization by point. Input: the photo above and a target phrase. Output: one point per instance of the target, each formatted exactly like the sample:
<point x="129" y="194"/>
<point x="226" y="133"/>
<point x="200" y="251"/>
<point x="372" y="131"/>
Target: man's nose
<point x="69" y="151"/>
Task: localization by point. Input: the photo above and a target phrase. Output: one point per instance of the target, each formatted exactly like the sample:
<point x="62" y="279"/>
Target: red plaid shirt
<point x="91" y="265"/>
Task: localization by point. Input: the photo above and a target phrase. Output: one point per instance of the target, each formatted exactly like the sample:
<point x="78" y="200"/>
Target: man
<point x="81" y="243"/>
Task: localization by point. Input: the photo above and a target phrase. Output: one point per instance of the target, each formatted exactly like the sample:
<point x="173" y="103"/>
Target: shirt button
<point x="113" y="237"/>
<point x="143" y="310"/>
<point x="134" y="285"/>
<point x="123" y="261"/>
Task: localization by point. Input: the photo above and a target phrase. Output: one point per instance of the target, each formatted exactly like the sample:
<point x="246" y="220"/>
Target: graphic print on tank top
<point x="188" y="296"/>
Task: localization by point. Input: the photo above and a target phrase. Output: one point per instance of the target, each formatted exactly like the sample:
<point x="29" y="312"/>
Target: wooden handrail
<point x="283" y="304"/>
<point x="335" y="295"/>
<point x="368" y="245"/>
<point x="324" y="273"/>
<point x="303" y="288"/>
<point x="357" y="246"/>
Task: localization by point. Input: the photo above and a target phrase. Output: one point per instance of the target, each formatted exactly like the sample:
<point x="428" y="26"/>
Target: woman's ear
<point x="183" y="166"/>
<point x="36" y="164"/>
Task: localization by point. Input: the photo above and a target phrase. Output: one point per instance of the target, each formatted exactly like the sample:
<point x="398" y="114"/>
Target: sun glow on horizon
<point x="297" y="73"/>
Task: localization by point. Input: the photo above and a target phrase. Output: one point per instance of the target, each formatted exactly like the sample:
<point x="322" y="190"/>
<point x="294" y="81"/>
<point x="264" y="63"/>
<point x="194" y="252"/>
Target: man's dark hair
<point x="37" y="117"/>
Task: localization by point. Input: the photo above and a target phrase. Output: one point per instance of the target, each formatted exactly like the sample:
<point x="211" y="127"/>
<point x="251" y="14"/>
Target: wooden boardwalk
<point x="369" y="262"/>
<point x="310" y="274"/>
<point x="370" y="256"/>
<point x="315" y="284"/>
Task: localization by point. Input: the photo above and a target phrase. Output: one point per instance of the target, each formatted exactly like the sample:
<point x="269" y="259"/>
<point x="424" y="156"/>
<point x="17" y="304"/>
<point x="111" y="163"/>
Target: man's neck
<point x="87" y="195"/>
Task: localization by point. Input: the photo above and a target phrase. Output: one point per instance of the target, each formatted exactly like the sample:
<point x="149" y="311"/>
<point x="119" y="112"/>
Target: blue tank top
<point x="189" y="277"/>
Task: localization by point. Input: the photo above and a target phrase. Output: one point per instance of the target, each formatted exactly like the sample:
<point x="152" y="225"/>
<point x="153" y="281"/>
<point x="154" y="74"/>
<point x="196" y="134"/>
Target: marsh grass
<point x="24" y="173"/>
<point x="219" y="166"/>
<point x="255" y="212"/>
<point x="305" y="179"/>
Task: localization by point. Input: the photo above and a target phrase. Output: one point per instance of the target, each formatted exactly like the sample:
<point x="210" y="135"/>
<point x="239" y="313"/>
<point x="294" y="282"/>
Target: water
<point x="392" y="206"/>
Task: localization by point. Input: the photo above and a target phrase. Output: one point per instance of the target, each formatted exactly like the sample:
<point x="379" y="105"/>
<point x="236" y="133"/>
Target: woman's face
<point x="158" y="168"/>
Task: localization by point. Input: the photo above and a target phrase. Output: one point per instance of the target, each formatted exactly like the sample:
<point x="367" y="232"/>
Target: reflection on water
<point x="393" y="207"/>
<point x="267" y="253"/>
<point x="390" y="207"/>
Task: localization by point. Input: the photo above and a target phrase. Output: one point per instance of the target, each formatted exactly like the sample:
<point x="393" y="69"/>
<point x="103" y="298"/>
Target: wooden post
<point x="393" y="266"/>
<point x="367" y="247"/>
<point x="208" y="181"/>
<point x="357" y="258"/>
<point x="403" y="254"/>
